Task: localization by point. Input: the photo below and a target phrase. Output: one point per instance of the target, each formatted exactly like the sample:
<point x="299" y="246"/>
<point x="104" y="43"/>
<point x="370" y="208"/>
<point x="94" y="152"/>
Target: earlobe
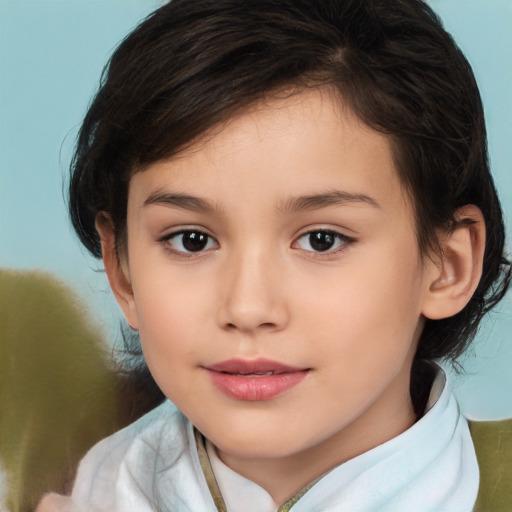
<point x="454" y="275"/>
<point x="116" y="268"/>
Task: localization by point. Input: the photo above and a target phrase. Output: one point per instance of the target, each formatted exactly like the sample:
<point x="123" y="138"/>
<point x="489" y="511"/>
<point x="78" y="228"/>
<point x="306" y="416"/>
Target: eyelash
<point x="341" y="240"/>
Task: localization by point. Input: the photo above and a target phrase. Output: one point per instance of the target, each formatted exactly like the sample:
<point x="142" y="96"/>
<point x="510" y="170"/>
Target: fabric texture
<point x="493" y="444"/>
<point x="153" y="465"/>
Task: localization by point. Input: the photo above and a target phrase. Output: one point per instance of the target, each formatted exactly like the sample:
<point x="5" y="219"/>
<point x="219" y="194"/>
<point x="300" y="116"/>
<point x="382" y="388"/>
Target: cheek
<point x="175" y="319"/>
<point x="165" y="335"/>
<point x="166" y="319"/>
<point x="372" y="308"/>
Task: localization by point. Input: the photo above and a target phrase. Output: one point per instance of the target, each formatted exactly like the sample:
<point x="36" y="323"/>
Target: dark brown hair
<point x="193" y="63"/>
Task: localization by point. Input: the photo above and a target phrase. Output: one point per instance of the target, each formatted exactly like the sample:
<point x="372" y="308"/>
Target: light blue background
<point x="51" y="56"/>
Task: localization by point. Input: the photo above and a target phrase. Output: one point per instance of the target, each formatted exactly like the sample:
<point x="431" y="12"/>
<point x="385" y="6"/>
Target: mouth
<point x="254" y="380"/>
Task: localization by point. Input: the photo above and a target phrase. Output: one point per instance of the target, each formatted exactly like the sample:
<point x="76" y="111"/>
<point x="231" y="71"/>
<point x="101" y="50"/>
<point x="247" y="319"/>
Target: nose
<point x="253" y="295"/>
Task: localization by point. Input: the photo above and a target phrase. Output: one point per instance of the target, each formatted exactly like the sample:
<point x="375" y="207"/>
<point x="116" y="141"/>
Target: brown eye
<point x="194" y="241"/>
<point x="190" y="241"/>
<point x="322" y="241"/>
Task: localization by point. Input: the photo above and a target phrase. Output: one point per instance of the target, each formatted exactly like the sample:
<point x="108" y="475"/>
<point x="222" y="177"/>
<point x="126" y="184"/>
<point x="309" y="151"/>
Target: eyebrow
<point x="179" y="200"/>
<point x="292" y="205"/>
<point x="331" y="198"/>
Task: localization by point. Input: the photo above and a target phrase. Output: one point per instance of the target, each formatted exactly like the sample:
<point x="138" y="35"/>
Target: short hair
<point x="193" y="63"/>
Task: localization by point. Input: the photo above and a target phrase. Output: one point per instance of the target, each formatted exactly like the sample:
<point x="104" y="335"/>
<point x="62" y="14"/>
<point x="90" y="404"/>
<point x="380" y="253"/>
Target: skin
<point x="351" y="315"/>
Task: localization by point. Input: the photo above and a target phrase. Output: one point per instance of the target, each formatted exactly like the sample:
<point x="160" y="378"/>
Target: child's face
<point x="285" y="239"/>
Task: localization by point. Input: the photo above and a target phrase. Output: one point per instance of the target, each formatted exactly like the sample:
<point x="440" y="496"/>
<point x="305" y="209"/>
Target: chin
<point x="255" y="449"/>
<point x="260" y="442"/>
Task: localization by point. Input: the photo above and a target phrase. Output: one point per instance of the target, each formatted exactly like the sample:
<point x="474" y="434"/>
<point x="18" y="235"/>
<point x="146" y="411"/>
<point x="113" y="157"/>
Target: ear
<point x="454" y="275"/>
<point x="116" y="267"/>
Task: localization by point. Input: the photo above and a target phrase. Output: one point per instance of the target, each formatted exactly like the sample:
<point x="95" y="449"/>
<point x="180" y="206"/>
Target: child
<point x="293" y="205"/>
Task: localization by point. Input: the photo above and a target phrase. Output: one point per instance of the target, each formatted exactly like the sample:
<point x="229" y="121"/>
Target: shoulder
<point x="132" y="450"/>
<point x="493" y="447"/>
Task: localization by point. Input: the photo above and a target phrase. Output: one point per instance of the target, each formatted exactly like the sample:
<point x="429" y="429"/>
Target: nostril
<point x="234" y="327"/>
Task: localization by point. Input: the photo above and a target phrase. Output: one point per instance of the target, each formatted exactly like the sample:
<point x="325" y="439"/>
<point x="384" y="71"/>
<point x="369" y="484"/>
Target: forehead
<point x="281" y="147"/>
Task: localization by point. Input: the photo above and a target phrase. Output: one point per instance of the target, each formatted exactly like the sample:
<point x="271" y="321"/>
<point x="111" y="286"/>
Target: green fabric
<point x="286" y="507"/>
<point x="208" y="472"/>
<point x="57" y="395"/>
<point x="493" y="446"/>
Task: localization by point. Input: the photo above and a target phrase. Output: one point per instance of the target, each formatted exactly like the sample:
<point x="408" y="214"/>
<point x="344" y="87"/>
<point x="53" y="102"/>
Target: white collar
<point x="430" y="467"/>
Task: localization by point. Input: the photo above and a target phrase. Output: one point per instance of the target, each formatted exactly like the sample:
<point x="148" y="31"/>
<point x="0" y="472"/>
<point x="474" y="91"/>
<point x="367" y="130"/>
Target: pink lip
<point x="239" y="379"/>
